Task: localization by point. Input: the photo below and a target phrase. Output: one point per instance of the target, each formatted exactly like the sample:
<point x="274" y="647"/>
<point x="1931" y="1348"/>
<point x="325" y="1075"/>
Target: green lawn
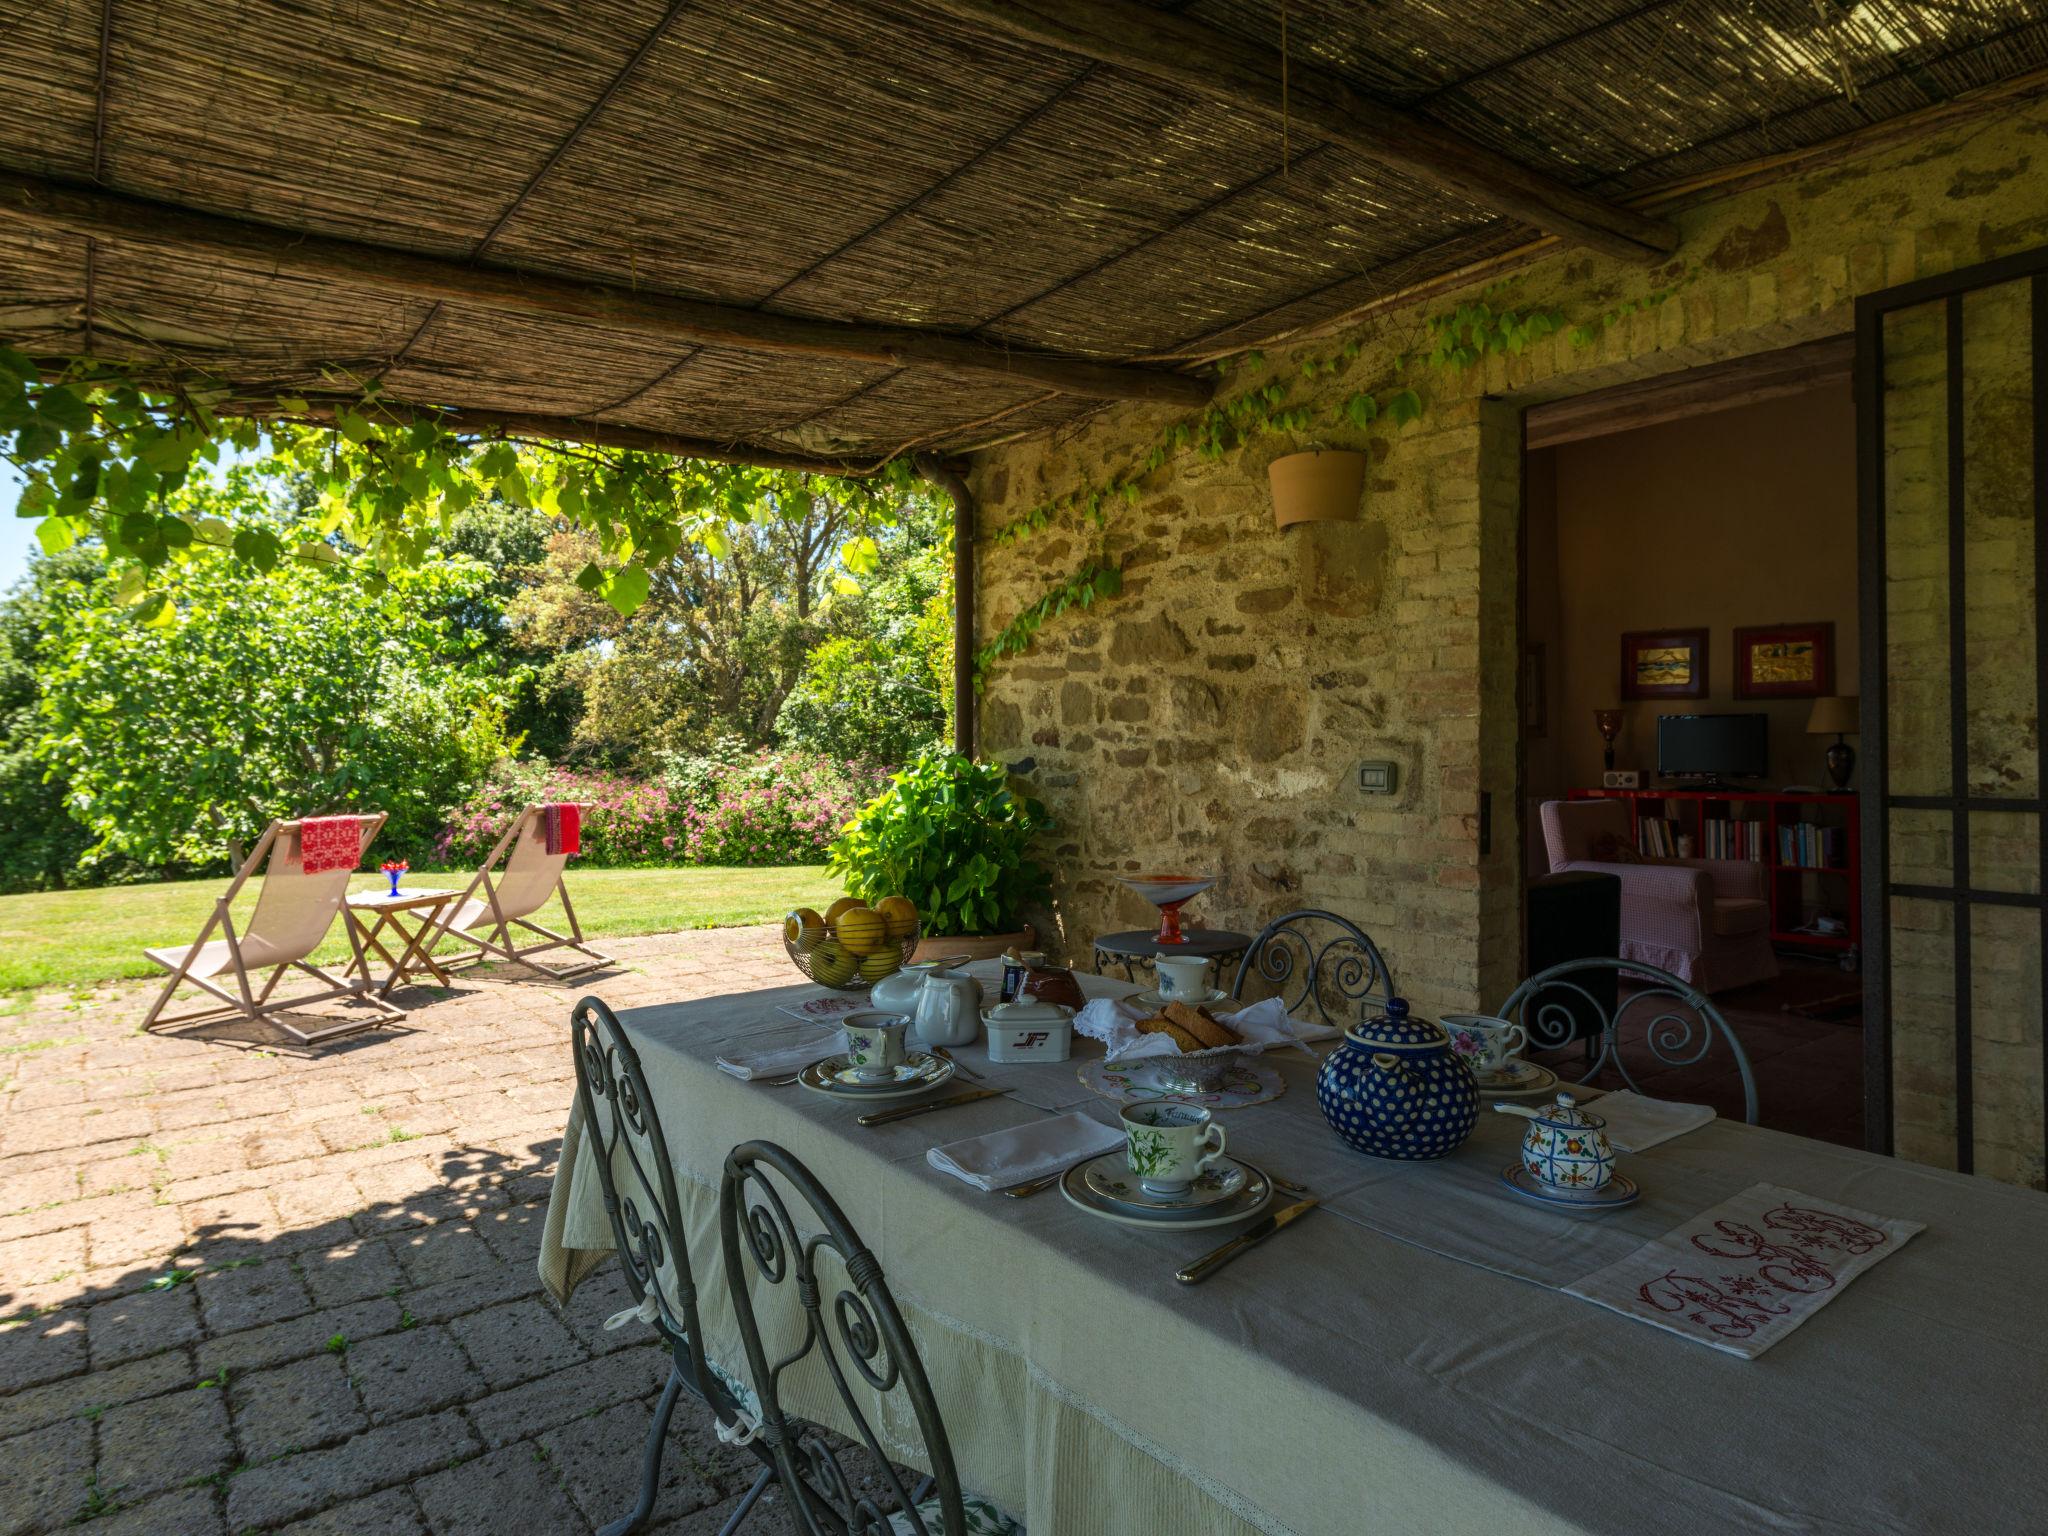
<point x="63" y="938"/>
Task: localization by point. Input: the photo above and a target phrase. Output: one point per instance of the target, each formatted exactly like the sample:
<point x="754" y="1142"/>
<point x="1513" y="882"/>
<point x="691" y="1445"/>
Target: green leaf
<point x="591" y="578"/>
<point x="19" y="364"/>
<point x="56" y="534"/>
<point x="155" y="610"/>
<point x="1404" y="407"/>
<point x="627" y="590"/>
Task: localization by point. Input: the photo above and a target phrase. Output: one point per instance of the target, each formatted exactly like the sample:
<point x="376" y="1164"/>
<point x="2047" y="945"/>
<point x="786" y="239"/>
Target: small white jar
<point x="1029" y="1030"/>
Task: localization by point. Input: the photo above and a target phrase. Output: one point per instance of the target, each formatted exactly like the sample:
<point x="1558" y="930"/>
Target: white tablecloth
<point x="1402" y="1361"/>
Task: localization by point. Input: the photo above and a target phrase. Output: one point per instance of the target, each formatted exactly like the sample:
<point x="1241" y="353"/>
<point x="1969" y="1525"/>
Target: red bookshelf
<point x="1797" y="889"/>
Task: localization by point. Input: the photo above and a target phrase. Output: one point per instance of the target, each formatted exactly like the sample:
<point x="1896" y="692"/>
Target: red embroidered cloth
<point x="562" y="825"/>
<point x="329" y="843"/>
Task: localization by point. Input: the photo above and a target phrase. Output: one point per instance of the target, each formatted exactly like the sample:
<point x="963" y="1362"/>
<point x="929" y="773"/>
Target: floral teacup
<point x="1169" y="1145"/>
<point x="1183" y="978"/>
<point x="874" y="1043"/>
<point x="1484" y="1044"/>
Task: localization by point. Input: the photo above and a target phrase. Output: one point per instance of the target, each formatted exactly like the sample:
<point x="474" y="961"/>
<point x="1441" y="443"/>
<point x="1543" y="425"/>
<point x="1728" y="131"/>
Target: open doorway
<point x="1691" y="628"/>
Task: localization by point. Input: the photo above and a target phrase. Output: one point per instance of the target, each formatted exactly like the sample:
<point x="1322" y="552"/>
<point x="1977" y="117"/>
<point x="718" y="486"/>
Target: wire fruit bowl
<point x="821" y="954"/>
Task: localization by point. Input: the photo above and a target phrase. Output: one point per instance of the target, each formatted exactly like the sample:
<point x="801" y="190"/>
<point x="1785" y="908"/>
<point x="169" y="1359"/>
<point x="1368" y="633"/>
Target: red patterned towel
<point x="562" y="825"/>
<point x="329" y="843"/>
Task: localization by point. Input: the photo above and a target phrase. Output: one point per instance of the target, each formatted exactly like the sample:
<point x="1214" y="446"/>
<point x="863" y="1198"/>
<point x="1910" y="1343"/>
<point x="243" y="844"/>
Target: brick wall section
<point x="1214" y="714"/>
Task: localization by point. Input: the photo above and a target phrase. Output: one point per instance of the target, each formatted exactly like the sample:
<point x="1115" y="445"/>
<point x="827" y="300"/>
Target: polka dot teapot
<point x="1394" y="1088"/>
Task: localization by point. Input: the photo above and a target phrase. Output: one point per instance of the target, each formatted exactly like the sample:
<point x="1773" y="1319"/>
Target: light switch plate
<point x="1376" y="778"/>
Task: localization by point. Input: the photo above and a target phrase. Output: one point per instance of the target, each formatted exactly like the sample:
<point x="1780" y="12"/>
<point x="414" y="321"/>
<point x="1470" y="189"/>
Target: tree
<point x="43" y="845"/>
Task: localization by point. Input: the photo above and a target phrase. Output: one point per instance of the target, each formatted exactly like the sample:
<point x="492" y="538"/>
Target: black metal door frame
<point x="1878" y="886"/>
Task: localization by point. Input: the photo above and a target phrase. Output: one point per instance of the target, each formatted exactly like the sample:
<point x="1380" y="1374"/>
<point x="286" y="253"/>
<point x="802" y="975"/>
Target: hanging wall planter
<point x="1320" y="486"/>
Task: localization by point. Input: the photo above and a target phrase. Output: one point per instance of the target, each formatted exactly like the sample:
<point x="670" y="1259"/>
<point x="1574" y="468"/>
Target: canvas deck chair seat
<point x="517" y="879"/>
<point x="295" y="908"/>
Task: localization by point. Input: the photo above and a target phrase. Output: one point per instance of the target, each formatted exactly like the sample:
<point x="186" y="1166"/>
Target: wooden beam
<point x="116" y="218"/>
<point x="1179" y="51"/>
<point x="948" y="478"/>
<point x="1694" y="392"/>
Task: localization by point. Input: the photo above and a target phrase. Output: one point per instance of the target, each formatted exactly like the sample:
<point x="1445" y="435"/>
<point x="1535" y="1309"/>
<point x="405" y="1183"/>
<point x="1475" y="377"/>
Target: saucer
<point x="1110" y="1179"/>
<point x="1618" y="1190"/>
<point x="1521" y="1080"/>
<point x="1152" y="997"/>
<point x="1248" y="1201"/>
<point x="918" y="1073"/>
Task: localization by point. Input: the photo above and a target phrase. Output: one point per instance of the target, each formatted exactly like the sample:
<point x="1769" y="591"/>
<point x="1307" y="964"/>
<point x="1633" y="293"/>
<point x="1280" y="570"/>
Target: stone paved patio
<point x="256" y="1286"/>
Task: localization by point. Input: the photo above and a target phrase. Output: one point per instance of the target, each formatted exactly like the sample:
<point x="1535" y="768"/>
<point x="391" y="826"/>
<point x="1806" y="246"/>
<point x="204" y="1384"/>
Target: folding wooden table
<point x="390" y="914"/>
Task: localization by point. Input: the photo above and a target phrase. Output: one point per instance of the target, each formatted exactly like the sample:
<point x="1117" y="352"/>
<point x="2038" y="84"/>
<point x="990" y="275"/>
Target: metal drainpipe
<point x="946" y="475"/>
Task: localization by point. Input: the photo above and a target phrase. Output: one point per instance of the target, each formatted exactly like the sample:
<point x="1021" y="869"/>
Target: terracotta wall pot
<point x="1320" y="486"/>
<point x="981" y="947"/>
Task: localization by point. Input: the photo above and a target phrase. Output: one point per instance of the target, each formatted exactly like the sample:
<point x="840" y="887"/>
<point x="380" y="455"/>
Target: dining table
<point x="1407" y="1358"/>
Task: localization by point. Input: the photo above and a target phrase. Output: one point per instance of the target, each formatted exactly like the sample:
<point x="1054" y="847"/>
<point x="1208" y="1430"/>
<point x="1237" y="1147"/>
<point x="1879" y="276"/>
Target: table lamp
<point x="1837" y="717"/>
<point x="1609" y="721"/>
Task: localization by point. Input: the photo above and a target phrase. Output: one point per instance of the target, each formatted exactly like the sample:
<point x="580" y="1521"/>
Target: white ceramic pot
<point x="1565" y="1147"/>
<point x="1029" y="1030"/>
<point x="948" y="1010"/>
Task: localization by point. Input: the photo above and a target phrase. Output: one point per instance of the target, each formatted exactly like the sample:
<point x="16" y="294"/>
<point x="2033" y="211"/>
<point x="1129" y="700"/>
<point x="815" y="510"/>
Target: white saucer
<point x="1619" y="1190"/>
<point x="1109" y="1178"/>
<point x="1524" y="1079"/>
<point x="1248" y="1201"/>
<point x="1152" y="997"/>
<point x="832" y="1077"/>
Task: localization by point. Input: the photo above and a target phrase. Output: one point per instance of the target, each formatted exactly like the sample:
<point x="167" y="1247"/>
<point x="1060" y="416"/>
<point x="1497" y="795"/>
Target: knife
<point x="1251" y="1237"/>
<point x="886" y="1116"/>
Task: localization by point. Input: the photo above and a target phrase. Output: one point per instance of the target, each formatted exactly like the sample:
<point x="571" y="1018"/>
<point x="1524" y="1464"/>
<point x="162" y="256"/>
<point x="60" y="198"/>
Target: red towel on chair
<point x="329" y="843"/>
<point x="563" y="828"/>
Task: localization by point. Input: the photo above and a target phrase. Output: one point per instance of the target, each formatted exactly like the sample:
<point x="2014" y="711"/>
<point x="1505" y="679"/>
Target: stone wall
<point x="1214" y="714"/>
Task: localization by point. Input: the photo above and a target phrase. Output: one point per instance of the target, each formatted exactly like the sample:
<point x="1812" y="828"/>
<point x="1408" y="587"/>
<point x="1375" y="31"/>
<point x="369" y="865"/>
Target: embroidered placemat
<point x="1741" y="1276"/>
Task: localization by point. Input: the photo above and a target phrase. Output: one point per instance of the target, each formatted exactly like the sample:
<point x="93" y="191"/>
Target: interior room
<point x="1691" y="634"/>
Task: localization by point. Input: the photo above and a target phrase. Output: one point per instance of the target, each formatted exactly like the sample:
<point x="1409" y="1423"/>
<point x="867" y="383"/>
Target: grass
<point x="76" y="938"/>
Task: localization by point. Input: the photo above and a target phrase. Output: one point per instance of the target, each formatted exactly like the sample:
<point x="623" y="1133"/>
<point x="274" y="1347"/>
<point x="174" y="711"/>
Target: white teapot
<point x="948" y="1010"/>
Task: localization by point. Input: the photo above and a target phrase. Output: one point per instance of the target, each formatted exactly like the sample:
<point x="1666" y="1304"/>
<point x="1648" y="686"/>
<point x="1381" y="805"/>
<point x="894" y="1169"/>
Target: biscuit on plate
<point x="1203" y="1025"/>
<point x="1160" y="1024"/>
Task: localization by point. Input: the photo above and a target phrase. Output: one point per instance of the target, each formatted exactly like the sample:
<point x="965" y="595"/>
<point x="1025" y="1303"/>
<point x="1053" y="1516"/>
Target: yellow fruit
<point x="901" y="916"/>
<point x="840" y="908"/>
<point x="832" y="965"/>
<point x="804" y="929"/>
<point x="862" y="931"/>
<point x="885" y="962"/>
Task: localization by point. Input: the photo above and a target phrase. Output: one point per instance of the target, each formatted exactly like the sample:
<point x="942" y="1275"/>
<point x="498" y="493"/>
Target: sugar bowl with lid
<point x="1565" y="1147"/>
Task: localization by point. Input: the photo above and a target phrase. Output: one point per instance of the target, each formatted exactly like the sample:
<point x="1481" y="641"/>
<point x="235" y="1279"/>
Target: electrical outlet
<point x="1376" y="778"/>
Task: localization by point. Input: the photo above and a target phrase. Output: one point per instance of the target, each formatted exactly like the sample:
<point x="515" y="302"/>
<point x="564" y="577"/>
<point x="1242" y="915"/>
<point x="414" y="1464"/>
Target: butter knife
<point x="888" y="1116"/>
<point x="1251" y="1237"/>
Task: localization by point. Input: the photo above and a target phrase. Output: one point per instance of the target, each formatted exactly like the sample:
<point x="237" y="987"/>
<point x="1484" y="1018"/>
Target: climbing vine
<point x="1095" y="580"/>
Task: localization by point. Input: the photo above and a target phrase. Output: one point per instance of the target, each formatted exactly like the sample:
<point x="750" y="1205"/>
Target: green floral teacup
<point x="1169" y="1145"/>
<point x="874" y="1044"/>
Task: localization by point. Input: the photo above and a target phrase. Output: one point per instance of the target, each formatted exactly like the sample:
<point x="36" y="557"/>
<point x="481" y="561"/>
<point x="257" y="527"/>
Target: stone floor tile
<point x="147" y="1234"/>
<point x="297" y="1337"/>
<point x="129" y="1327"/>
<point x="250" y="1295"/>
<point x="188" y="1512"/>
<point x="79" y="1394"/>
<point x="46" y="1256"/>
<point x="431" y="1255"/>
<point x="375" y="1460"/>
<point x="163" y="1442"/>
<point x="597" y="1460"/>
<point x="411" y="1372"/>
<point x="392" y="1513"/>
<point x="516" y="1342"/>
<point x="42" y="1349"/>
<point x="295" y="1407"/>
<point x="33" y="1191"/>
<point x="513" y="1233"/>
<point x="509" y="1492"/>
<point x="351" y="1271"/>
<point x="43" y="1477"/>
<point x="555" y="1400"/>
<point x="231" y="1227"/>
<point x="452" y="1298"/>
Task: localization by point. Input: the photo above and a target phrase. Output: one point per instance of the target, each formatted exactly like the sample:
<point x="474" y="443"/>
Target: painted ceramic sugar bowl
<point x="1395" y="1089"/>
<point x="1565" y="1147"/>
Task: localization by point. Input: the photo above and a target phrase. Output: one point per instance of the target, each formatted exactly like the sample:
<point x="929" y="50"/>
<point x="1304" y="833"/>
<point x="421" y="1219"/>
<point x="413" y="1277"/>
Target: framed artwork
<point x="1535" y="707"/>
<point x="1785" y="661"/>
<point x="1664" y="664"/>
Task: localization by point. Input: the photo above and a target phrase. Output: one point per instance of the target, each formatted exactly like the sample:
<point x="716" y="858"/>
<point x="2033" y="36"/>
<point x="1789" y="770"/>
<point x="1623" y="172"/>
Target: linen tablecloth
<point x="1399" y="1361"/>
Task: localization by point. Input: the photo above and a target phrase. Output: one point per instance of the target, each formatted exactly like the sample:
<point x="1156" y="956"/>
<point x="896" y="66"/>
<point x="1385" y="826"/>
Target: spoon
<point x="945" y="1055"/>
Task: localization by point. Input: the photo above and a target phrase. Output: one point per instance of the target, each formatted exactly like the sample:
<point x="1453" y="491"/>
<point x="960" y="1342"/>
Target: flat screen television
<point x="1713" y="747"/>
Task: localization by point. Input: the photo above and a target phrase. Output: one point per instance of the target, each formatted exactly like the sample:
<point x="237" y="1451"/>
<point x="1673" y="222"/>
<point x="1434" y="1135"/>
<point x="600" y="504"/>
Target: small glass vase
<point x="394" y="874"/>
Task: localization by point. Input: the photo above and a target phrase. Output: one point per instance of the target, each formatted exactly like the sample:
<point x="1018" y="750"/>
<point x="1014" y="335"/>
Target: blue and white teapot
<point x="1394" y="1088"/>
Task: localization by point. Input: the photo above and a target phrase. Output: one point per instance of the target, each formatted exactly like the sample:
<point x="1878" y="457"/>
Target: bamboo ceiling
<point x="926" y="168"/>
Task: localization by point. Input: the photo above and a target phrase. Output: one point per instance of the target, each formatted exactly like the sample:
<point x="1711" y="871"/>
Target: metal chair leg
<point x="746" y="1505"/>
<point x="650" y="1459"/>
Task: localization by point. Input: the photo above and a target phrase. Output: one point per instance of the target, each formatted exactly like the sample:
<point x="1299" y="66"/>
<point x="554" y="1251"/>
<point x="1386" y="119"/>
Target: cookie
<point x="1203" y="1025"/>
<point x="1160" y="1024"/>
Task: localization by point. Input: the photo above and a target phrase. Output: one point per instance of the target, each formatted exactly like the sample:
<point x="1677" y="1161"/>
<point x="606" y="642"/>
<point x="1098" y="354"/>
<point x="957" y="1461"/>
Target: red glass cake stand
<point x="1169" y="893"/>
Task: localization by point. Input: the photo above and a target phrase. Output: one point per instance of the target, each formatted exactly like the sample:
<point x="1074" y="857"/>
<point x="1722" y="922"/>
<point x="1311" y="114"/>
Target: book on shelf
<point x="1809" y="845"/>
<point x="1732" y="837"/>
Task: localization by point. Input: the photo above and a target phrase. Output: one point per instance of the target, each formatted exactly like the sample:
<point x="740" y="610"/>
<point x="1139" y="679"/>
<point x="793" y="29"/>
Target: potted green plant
<point x="950" y="834"/>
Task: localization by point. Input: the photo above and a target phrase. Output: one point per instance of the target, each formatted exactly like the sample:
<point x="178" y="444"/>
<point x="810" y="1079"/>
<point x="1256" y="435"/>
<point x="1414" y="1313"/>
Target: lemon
<point x="831" y="965"/>
<point x="862" y="931"/>
<point x="884" y="962"/>
<point x="900" y="915"/>
<point x="840" y="908"/>
<point x="803" y="929"/>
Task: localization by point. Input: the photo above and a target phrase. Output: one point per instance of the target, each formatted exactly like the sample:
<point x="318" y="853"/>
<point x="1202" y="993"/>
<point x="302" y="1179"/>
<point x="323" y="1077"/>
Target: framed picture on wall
<point x="1664" y="664"/>
<point x="1785" y="661"/>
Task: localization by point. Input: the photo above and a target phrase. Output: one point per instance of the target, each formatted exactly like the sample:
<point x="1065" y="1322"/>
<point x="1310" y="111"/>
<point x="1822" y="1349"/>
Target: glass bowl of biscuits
<point x="1208" y="1048"/>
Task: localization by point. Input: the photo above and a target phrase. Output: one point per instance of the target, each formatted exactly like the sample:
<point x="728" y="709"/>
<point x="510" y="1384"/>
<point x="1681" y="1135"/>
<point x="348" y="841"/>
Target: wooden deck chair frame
<point x="501" y="943"/>
<point x="254" y="1002"/>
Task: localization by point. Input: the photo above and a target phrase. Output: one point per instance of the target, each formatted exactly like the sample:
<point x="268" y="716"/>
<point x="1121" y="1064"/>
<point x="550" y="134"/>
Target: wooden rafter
<point x="1184" y="53"/>
<point x="353" y="264"/>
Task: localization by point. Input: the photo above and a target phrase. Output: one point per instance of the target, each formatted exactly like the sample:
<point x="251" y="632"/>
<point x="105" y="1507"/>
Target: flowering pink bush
<point x="763" y="808"/>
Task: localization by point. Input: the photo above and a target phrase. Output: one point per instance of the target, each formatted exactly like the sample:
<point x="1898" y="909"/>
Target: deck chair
<point x="499" y="900"/>
<point x="294" y="911"/>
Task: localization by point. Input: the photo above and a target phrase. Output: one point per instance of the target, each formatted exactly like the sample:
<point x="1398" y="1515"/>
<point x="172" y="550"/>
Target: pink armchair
<point x="1707" y="920"/>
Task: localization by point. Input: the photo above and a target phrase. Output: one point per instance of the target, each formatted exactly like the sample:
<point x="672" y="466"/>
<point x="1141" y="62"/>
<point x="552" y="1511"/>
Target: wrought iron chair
<point x="865" y="1332"/>
<point x="1325" y="959"/>
<point x="1552" y="1004"/>
<point x="640" y="1197"/>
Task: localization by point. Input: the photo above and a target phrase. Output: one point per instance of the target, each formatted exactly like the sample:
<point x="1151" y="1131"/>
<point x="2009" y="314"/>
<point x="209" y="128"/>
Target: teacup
<point x="1484" y="1044"/>
<point x="1169" y="1145"/>
<point x="874" y="1043"/>
<point x="1183" y="978"/>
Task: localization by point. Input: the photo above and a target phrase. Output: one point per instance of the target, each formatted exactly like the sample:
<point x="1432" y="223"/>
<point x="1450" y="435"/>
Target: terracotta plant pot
<point x="984" y="946"/>
<point x="1320" y="486"/>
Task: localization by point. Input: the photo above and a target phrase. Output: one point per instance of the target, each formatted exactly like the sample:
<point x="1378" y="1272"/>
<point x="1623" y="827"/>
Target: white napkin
<point x="1635" y="1124"/>
<point x="781" y="1060"/>
<point x="1263" y="1024"/>
<point x="1003" y="1158"/>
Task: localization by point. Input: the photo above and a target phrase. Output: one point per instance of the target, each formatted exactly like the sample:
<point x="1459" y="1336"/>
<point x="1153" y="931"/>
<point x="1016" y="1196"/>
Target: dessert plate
<point x="1152" y="997"/>
<point x="1518" y="1080"/>
<point x="918" y="1073"/>
<point x="1110" y="1179"/>
<point x="1619" y="1190"/>
<point x="1248" y="1201"/>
